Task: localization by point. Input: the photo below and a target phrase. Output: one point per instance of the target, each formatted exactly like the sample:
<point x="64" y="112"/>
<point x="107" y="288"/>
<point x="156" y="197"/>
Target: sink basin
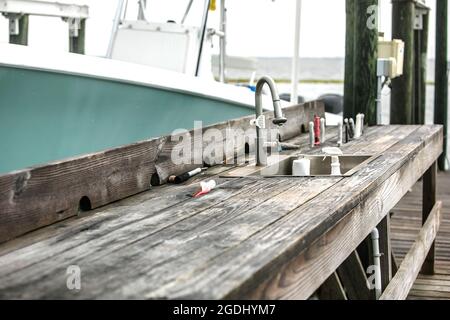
<point x="320" y="166"/>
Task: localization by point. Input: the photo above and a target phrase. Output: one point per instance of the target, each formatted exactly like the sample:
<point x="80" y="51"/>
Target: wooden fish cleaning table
<point x="252" y="237"/>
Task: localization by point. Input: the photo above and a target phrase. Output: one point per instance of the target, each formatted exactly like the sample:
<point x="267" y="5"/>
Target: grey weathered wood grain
<point x="42" y="195"/>
<point x="35" y="197"/>
<point x="403" y="281"/>
<point x="224" y="248"/>
<point x="288" y="236"/>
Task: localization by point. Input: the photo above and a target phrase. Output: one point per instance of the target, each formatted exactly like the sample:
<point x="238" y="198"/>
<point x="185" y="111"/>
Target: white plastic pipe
<point x="296" y="56"/>
<point x="375" y="236"/>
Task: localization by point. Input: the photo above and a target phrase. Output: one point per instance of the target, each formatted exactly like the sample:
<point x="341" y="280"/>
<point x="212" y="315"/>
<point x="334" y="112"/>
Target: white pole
<point x="115" y="26"/>
<point x="296" y="57"/>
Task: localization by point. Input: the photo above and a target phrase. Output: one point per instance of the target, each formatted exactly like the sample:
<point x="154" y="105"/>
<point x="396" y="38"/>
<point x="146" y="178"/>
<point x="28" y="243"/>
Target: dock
<point x="405" y="224"/>
<point x="252" y="237"/>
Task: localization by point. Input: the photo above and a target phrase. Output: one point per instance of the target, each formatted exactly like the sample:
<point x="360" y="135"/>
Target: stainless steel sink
<point x="320" y="166"/>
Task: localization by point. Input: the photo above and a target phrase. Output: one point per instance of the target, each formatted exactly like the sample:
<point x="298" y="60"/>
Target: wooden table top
<point x="228" y="244"/>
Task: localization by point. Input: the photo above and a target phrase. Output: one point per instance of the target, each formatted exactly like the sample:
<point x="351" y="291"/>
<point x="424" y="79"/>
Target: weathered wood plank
<point x="168" y="255"/>
<point x="42" y="195"/>
<point x="428" y="203"/>
<point x="272" y="239"/>
<point x="140" y="267"/>
<point x="305" y="272"/>
<point x="403" y="281"/>
<point x="35" y="197"/>
<point x="84" y="238"/>
<point x="386" y="251"/>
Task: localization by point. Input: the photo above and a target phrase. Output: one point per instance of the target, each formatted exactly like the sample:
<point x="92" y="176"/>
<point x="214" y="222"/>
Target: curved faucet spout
<point x="279" y="119"/>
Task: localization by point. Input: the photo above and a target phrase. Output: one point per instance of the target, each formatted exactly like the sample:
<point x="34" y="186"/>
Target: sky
<point x="263" y="28"/>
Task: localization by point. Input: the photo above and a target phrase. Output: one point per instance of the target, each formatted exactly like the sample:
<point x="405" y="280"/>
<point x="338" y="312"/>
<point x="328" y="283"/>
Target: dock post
<point x="428" y="202"/>
<point x="402" y="87"/>
<point x="18" y="29"/>
<point x="349" y="99"/>
<point x="441" y="75"/>
<point x="77" y="31"/>
<point x="421" y="58"/>
<point x="361" y="59"/>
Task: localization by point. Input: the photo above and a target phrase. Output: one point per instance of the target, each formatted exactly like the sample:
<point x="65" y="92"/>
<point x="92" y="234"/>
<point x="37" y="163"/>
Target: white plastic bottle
<point x="335" y="166"/>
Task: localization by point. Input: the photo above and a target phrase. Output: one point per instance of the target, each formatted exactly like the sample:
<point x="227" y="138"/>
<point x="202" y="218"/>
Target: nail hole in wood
<point x="84" y="205"/>
<point x="155" y="181"/>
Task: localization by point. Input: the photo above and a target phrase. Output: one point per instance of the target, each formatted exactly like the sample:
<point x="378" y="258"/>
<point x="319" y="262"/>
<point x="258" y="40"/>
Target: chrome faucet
<point x="261" y="155"/>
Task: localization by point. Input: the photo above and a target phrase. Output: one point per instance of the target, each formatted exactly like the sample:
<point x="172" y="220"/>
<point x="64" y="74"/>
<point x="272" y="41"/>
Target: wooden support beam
<point x="386" y="251"/>
<point x="354" y="278"/>
<point x="402" y="87"/>
<point x="403" y="281"/>
<point x="428" y="203"/>
<point x="441" y="75"/>
<point x="361" y="60"/>
<point x="77" y="42"/>
<point x="22" y="37"/>
<point x="332" y="289"/>
<point x="394" y="264"/>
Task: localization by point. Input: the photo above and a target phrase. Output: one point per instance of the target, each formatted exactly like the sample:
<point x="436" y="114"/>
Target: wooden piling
<point x="349" y="108"/>
<point x="422" y="76"/>
<point x="76" y="44"/>
<point x="361" y="60"/>
<point x="441" y="74"/>
<point x="22" y="37"/>
<point x="402" y="87"/>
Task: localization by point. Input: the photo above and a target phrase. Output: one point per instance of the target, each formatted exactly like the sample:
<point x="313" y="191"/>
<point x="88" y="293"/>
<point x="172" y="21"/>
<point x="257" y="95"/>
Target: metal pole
<point x="115" y="27"/>
<point x="223" y="40"/>
<point x="186" y="12"/>
<point x="296" y="57"/>
<point x="202" y="36"/>
<point x="379" y="97"/>
<point x="141" y="13"/>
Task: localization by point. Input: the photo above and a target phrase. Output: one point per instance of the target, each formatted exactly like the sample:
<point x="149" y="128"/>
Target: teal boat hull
<point x="47" y="116"/>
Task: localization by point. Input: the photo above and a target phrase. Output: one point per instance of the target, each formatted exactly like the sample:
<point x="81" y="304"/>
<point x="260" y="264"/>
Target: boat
<point x="56" y="105"/>
<point x="59" y="105"/>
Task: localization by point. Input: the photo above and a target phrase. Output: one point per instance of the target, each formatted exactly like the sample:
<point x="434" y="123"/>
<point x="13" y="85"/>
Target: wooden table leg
<point x="386" y="252"/>
<point x="428" y="202"/>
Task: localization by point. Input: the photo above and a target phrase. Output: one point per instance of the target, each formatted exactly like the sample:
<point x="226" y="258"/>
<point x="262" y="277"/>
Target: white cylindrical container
<point x="322" y="130"/>
<point x="335" y="166"/>
<point x="311" y="134"/>
<point x="340" y="134"/>
<point x="358" y="130"/>
<point x="301" y="168"/>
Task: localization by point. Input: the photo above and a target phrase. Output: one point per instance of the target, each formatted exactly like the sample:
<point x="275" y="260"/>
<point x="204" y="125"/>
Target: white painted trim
<point x="102" y="68"/>
<point x="44" y="8"/>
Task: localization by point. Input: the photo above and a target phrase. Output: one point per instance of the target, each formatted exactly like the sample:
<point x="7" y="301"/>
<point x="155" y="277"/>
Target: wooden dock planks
<point x="405" y="225"/>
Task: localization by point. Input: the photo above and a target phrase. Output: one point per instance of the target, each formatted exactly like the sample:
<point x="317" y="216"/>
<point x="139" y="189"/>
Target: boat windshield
<point x="186" y="12"/>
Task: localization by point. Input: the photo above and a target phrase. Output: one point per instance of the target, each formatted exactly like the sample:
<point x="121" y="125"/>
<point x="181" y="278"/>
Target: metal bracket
<point x="418" y="18"/>
<point x="74" y="26"/>
<point x="13" y="19"/>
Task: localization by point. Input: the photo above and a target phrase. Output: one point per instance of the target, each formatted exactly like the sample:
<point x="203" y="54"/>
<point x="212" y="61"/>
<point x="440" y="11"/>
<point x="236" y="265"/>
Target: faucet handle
<point x="279" y="121"/>
<point x="260" y="122"/>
